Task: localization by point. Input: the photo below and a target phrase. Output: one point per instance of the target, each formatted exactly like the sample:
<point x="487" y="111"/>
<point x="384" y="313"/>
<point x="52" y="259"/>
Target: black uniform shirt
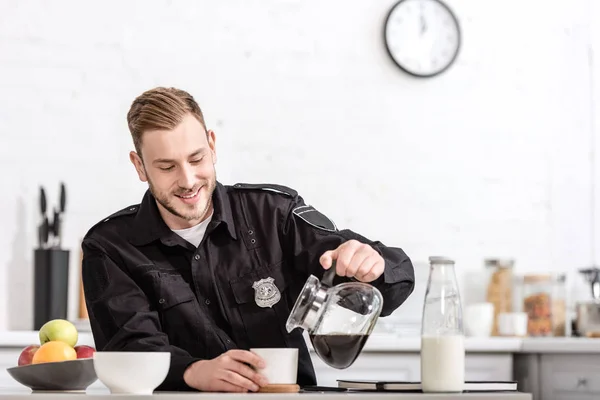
<point x="147" y="289"/>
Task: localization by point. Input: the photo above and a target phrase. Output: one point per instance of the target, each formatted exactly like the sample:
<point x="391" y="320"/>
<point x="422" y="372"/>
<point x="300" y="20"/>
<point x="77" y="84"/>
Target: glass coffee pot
<point x="338" y="319"/>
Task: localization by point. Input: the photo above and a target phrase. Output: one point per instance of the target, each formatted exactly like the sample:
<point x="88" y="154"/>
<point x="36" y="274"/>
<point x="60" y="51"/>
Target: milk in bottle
<point x="442" y="335"/>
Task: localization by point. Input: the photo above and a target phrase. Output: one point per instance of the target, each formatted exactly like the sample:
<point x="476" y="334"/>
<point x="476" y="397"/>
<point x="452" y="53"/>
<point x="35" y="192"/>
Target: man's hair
<point x="160" y="108"/>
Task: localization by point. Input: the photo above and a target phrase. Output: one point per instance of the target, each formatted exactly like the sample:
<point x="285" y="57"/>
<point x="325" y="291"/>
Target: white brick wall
<point x="493" y="157"/>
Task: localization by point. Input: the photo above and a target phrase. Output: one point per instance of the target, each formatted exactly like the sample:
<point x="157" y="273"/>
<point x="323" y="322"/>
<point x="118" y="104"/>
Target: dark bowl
<point x="71" y="375"/>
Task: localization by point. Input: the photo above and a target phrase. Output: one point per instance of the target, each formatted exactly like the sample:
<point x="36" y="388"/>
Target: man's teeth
<point x="191" y="195"/>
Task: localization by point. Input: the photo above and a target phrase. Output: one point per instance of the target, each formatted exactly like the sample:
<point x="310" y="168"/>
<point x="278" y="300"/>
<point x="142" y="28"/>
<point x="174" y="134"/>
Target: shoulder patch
<point x="313" y="217"/>
<point x="268" y="187"/>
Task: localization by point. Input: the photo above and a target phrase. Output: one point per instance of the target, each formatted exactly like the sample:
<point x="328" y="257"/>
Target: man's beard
<point x="164" y="200"/>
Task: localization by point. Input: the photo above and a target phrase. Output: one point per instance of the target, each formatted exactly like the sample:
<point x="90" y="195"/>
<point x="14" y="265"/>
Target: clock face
<point x="422" y="36"/>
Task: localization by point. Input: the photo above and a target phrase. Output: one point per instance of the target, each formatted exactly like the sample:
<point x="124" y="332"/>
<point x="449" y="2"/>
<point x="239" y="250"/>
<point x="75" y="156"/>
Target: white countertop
<point x="13" y="394"/>
<point x="386" y="342"/>
<point x="560" y="345"/>
<point x="379" y="342"/>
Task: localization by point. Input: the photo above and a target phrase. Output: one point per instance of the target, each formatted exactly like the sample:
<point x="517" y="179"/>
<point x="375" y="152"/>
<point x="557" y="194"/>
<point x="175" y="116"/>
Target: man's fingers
<point x="327" y="258"/>
<point x="220" y="385"/>
<point x="344" y="257"/>
<point x="247" y="372"/>
<point x="368" y="269"/>
<point x="357" y="263"/>
<point x="236" y="379"/>
<point x="247" y="357"/>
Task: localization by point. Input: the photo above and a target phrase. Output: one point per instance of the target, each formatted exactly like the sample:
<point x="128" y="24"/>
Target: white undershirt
<point x="194" y="234"/>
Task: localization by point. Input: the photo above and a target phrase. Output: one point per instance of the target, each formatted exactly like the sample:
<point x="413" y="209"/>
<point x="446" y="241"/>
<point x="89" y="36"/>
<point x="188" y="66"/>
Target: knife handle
<point x="63" y="197"/>
<point x="43" y="203"/>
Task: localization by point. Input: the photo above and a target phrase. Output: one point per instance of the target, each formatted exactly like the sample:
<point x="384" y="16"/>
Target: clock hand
<point x="422" y="18"/>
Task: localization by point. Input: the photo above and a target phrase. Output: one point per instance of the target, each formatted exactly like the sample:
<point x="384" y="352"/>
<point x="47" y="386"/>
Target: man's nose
<point x="188" y="177"/>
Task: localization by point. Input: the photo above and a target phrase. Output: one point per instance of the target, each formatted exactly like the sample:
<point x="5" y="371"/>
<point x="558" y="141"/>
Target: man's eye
<point x="197" y="161"/>
<point x="167" y="168"/>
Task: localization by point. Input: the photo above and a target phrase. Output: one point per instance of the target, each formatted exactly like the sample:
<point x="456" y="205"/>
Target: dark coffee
<point x="339" y="351"/>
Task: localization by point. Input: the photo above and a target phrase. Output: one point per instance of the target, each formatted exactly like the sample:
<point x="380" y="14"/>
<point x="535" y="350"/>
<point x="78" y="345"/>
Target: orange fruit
<point x="54" y="351"/>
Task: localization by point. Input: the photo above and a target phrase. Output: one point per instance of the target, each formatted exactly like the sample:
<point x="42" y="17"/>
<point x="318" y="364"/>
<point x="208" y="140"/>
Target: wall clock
<point x="422" y="37"/>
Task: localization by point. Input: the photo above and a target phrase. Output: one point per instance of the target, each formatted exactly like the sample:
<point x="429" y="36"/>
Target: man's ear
<point x="139" y="166"/>
<point x="210" y="136"/>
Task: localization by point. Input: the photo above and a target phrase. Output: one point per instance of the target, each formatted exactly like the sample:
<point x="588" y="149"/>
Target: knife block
<point x="51" y="285"/>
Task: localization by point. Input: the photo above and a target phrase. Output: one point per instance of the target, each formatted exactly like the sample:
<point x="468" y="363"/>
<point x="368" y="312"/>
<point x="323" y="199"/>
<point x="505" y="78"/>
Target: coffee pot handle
<point x="329" y="275"/>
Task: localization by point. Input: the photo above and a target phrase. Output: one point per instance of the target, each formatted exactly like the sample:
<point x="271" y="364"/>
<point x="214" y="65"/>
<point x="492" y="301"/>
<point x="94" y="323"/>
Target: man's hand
<point x="230" y="372"/>
<point x="355" y="259"/>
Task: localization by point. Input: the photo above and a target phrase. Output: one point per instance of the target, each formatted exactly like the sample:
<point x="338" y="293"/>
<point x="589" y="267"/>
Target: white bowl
<point x="131" y="372"/>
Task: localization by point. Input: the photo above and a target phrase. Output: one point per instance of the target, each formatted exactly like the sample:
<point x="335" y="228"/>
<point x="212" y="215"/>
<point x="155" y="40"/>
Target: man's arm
<point x="309" y="234"/>
<point x="121" y="316"/>
<point x="123" y="320"/>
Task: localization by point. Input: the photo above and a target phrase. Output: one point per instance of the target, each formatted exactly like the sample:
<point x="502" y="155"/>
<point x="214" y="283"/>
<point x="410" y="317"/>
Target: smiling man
<point x="185" y="271"/>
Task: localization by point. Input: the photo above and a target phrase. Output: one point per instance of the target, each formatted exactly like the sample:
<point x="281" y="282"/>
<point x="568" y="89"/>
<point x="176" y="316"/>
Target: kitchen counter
<point x="379" y="342"/>
<point x="386" y="342"/>
<point x="101" y="395"/>
<point x="376" y="343"/>
<point x="558" y="345"/>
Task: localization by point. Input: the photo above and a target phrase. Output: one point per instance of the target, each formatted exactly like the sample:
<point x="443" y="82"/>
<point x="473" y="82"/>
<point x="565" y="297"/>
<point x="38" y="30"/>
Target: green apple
<point x="59" y="330"/>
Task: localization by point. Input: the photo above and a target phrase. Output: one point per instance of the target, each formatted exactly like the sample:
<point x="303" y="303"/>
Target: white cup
<point x="281" y="365"/>
<point x="479" y="319"/>
<point x="512" y="324"/>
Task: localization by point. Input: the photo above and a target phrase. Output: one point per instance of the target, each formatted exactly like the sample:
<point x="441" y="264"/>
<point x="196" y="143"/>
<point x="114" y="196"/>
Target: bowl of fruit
<point x="57" y="363"/>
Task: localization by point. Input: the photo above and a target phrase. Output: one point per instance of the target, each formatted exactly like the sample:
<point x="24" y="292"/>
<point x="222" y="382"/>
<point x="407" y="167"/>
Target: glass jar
<point x="442" y="333"/>
<point x="537" y="303"/>
<point x="338" y="319"/>
<point x="500" y="288"/>
<point x="559" y="306"/>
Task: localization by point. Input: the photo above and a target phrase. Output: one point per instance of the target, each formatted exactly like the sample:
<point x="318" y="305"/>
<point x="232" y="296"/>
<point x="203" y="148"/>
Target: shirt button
<point x="161" y="301"/>
<point x="196" y="257"/>
<point x="250" y="232"/>
<point x="253" y="241"/>
<point x="207" y="301"/>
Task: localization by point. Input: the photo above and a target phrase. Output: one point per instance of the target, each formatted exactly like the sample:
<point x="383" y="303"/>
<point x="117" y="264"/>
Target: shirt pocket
<point x="178" y="308"/>
<point x="262" y="303"/>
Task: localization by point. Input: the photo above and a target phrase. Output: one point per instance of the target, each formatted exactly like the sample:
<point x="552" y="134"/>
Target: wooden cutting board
<point x="82" y="314"/>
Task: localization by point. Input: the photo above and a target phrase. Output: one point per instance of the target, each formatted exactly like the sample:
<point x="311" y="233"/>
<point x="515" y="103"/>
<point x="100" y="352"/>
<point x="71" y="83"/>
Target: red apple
<point x="26" y="355"/>
<point x="84" y="351"/>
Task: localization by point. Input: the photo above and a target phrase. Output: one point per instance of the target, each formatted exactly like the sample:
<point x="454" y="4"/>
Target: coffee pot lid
<point x="310" y="302"/>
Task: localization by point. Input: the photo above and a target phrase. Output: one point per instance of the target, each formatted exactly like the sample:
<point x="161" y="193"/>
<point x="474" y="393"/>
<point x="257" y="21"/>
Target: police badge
<point x="265" y="292"/>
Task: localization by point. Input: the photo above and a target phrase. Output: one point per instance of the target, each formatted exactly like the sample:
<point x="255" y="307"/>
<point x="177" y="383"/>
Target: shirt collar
<point x="149" y="226"/>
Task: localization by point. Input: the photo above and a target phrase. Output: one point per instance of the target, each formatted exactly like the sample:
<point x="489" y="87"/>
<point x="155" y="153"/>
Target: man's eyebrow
<point x="168" y="160"/>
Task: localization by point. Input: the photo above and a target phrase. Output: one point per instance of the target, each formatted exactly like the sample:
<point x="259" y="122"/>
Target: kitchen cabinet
<point x="565" y="376"/>
<point x="552" y="376"/>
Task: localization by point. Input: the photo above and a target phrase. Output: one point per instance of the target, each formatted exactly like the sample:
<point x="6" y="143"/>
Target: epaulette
<point x="132" y="209"/>
<point x="267" y="187"/>
<point x="126" y="211"/>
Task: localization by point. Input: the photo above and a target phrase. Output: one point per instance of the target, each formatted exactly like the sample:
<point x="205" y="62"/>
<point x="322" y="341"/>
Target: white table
<point x="96" y="394"/>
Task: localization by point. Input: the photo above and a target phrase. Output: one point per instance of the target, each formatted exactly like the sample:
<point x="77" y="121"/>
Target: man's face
<point x="179" y="167"/>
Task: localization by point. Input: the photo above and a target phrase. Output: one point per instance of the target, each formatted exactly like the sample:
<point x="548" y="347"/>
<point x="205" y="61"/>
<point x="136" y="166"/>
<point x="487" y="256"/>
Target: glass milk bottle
<point x="442" y="335"/>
